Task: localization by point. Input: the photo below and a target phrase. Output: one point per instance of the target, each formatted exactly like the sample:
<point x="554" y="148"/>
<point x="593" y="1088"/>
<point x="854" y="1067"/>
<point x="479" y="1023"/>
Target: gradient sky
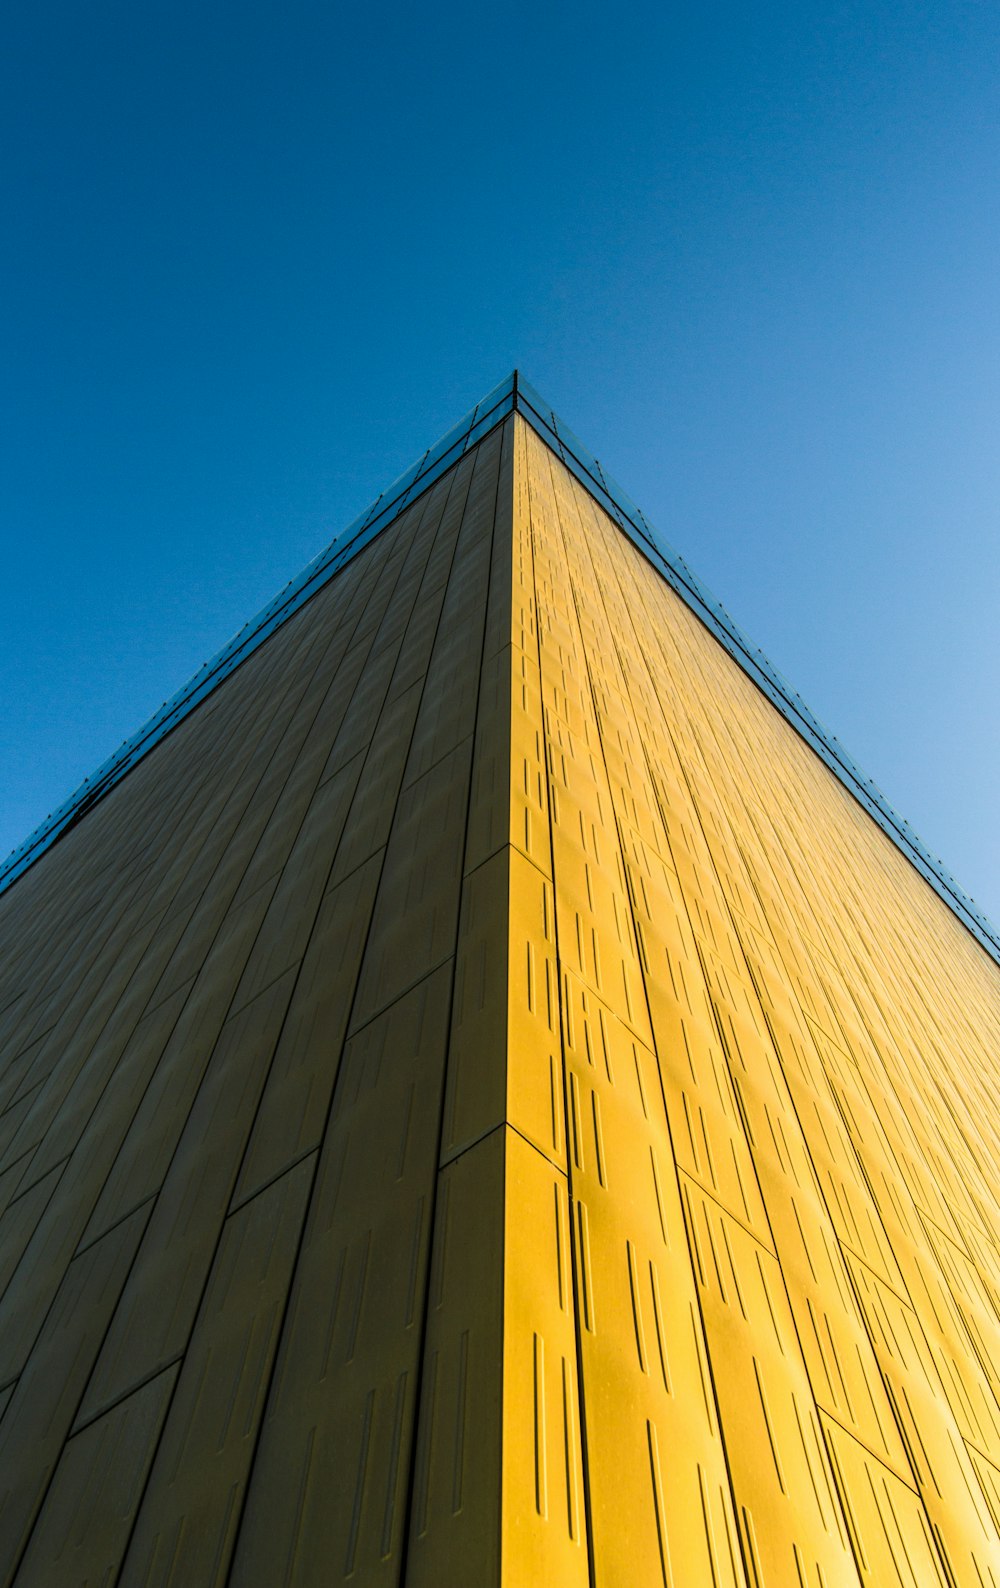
<point x="256" y="257"/>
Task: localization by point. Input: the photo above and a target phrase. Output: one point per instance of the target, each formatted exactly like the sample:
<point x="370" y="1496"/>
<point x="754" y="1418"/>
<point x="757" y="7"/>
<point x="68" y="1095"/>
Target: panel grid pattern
<point x="227" y="996"/>
<point x="820" y="1037"/>
<point x="481" y="1103"/>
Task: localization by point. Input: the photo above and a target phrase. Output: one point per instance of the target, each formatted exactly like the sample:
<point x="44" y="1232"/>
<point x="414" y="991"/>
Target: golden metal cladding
<point x="482" y="1104"/>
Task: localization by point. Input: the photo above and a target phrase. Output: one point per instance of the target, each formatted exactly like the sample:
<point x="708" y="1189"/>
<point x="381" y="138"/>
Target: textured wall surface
<point x="481" y="1101"/>
<point x="782" y="1079"/>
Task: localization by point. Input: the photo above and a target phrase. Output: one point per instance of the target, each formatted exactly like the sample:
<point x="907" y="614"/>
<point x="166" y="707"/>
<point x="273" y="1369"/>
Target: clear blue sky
<point x="256" y="257"/>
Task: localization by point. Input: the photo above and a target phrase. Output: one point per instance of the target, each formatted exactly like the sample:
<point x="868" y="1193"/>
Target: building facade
<point x="491" y="1095"/>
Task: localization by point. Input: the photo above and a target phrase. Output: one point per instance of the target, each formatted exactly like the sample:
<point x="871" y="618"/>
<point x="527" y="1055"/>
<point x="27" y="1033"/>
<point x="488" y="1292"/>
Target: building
<point x="490" y="1094"/>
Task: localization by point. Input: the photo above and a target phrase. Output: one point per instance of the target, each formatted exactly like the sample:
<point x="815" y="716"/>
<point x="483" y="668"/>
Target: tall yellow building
<point x="491" y="1095"/>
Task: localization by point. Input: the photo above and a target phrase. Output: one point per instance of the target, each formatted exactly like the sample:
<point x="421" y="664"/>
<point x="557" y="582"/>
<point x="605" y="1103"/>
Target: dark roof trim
<point x="410" y="484"/>
<point x="513" y="395"/>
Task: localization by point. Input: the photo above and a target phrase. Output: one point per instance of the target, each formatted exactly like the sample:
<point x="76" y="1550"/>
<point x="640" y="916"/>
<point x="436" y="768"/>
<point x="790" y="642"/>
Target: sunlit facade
<point x="489" y="1094"/>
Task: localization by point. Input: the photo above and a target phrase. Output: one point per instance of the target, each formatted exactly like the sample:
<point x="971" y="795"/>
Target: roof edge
<point x="512" y="395"/>
<point x="762" y="672"/>
<point x="404" y="490"/>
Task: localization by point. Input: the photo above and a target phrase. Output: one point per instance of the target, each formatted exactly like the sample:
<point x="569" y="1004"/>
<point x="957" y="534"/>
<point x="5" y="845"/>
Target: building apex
<point x="512" y="395"/>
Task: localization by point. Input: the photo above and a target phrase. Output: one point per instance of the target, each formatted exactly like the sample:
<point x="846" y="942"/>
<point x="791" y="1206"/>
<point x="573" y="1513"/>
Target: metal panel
<point x="39" y="1414"/>
<point x="193" y="1499"/>
<point x="790" y="1520"/>
<point x="646" y="1388"/>
<point x="498" y="1480"/>
<point x="153" y="1321"/>
<point x="90" y="1509"/>
<point x="506" y="1061"/>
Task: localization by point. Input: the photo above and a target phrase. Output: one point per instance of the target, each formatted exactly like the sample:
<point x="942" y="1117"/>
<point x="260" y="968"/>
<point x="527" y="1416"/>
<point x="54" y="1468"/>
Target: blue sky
<point x="255" y="258"/>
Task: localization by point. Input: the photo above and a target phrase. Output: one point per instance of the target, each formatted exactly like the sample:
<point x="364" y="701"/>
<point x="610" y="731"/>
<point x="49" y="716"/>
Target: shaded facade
<point x="482" y="1101"/>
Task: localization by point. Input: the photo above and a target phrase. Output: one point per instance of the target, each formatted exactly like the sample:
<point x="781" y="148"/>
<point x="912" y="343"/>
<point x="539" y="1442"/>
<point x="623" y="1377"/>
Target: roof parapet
<point x="512" y="395"/>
